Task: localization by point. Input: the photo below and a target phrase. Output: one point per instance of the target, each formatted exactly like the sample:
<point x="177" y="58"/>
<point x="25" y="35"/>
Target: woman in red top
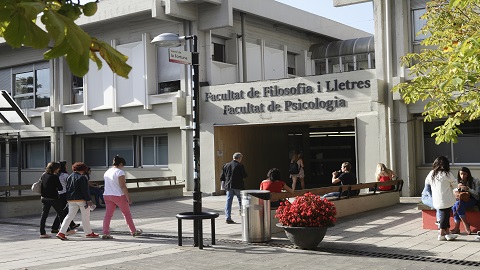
<point x="274" y="184"/>
<point x="383" y="174"/>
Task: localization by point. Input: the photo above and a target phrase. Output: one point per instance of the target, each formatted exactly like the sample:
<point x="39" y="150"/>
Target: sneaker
<point x="437" y="222"/>
<point x="61" y="236"/>
<point x="137" y="233"/>
<point x="45" y="236"/>
<point x="441" y="238"/>
<point x="107" y="236"/>
<point x="229" y="221"/>
<point x="69" y="232"/>
<point x="451" y="237"/>
<point x="54" y="231"/>
<point x="92" y="235"/>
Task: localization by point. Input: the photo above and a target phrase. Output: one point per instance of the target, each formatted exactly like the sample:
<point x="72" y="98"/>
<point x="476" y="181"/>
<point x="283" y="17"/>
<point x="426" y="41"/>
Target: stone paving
<point x="388" y="238"/>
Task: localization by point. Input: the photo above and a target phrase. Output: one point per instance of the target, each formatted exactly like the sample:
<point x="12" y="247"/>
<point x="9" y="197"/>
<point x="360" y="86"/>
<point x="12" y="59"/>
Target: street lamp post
<point x="173" y="40"/>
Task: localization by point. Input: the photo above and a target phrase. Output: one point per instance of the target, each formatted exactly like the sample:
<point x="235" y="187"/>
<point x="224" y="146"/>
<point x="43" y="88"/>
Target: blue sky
<point x="359" y="16"/>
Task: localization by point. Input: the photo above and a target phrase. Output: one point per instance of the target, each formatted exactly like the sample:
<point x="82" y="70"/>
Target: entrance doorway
<point x="325" y="145"/>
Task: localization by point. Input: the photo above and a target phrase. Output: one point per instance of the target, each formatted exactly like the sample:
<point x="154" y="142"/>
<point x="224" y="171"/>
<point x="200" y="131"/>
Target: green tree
<point x="20" y="25"/>
<point x="448" y="69"/>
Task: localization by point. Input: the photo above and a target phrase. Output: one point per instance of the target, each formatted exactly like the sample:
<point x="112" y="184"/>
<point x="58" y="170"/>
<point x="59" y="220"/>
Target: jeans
<point x="47" y="204"/>
<point x="58" y="221"/>
<point x="228" y="205"/>
<point x="73" y="207"/>
<point x="98" y="193"/>
<point x="461" y="205"/>
<point x="331" y="194"/>
<point x="427" y="199"/>
<point x="111" y="203"/>
<point x="444" y="215"/>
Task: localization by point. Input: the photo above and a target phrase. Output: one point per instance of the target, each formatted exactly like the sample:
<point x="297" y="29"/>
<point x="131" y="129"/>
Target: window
<point x="348" y="63"/>
<point x="465" y="151"/>
<point x="418" y="23"/>
<point x="101" y="150"/>
<point x="155" y="151"/>
<point x="13" y="154"/>
<point x="218" y="45"/>
<point x="77" y="90"/>
<point x="37" y="154"/>
<point x="122" y="146"/>
<point x="291" y="70"/>
<point x="32" y="88"/>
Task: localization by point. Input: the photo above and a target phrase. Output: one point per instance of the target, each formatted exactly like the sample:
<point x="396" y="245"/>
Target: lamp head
<point x="168" y="40"/>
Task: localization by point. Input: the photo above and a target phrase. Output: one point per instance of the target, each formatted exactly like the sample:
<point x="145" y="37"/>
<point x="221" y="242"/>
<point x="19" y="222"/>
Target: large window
<point x="36" y="153"/>
<point x="155" y="151"/>
<point x="218" y="53"/>
<point x="100" y="151"/>
<point x="32" y="85"/>
<point x="465" y="151"/>
<point x="152" y="150"/>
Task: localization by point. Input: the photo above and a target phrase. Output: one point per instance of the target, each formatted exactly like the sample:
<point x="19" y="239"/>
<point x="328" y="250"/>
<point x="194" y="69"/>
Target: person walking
<point x="78" y="198"/>
<point x="442" y="183"/>
<point x="297" y="160"/>
<point x="116" y="194"/>
<point x="62" y="194"/>
<point x="49" y="191"/>
<point x="232" y="177"/>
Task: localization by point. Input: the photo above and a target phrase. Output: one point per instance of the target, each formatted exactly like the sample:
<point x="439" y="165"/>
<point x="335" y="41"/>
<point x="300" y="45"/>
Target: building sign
<point x="180" y="57"/>
<point x="301" y="97"/>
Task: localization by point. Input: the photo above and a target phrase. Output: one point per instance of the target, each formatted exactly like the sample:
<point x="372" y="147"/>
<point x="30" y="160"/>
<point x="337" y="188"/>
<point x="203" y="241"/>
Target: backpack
<point x="293" y="169"/>
<point x="37" y="186"/>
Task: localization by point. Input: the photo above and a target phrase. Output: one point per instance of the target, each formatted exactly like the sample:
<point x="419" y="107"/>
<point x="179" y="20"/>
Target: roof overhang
<point x="9" y="110"/>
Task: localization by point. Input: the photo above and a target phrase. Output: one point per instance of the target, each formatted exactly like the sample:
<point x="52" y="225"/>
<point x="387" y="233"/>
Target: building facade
<point x="274" y="79"/>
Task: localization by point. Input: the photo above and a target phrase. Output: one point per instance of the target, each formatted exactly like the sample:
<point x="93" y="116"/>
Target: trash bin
<point x="256" y="215"/>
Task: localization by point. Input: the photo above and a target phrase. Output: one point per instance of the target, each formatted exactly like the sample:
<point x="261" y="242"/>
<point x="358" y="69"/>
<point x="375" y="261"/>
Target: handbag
<point x="37" y="186"/>
<point x="463" y="196"/>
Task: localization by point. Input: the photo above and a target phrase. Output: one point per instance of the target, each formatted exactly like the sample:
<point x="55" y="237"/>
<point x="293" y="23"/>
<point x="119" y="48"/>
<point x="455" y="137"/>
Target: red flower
<point x="309" y="210"/>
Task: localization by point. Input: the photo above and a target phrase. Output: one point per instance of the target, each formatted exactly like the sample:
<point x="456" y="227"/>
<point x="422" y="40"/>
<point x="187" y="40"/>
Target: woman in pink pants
<point x="116" y="194"/>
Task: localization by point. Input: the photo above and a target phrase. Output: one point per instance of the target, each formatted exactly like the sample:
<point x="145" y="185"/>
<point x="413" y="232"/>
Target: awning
<point x="9" y="110"/>
<point x="343" y="47"/>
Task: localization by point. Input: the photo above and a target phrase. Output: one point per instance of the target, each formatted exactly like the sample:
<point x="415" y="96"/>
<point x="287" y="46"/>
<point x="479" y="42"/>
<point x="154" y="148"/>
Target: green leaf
<point x="15" y="31"/>
<point x="77" y="38"/>
<point x="59" y="50"/>
<point x="55" y="26"/>
<point x="32" y="9"/>
<point x="78" y="63"/>
<point x="115" y="60"/>
<point x="94" y="58"/>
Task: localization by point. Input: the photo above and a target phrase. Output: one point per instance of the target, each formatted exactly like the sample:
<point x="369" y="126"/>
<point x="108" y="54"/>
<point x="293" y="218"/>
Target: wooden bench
<point x="429" y="218"/>
<point x="348" y="205"/>
<point x="25" y="202"/>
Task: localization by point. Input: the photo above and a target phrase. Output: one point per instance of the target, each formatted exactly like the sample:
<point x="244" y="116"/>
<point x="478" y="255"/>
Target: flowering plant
<point x="309" y="210"/>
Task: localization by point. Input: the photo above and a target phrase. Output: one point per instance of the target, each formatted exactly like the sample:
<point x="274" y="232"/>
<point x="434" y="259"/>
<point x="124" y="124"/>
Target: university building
<point x="273" y="79"/>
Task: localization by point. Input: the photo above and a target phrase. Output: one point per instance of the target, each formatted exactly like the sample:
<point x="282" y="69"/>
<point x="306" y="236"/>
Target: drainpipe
<point x="389" y="76"/>
<point x="244" y="48"/>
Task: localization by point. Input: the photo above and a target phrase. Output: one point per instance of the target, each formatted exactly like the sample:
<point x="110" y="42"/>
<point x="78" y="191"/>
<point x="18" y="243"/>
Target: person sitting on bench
<point x="273" y="183"/>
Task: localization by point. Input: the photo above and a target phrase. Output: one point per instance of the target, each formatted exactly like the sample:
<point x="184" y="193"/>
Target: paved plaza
<point x="388" y="238"/>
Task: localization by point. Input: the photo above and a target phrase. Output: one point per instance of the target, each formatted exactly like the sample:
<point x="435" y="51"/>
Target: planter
<point x="304" y="237"/>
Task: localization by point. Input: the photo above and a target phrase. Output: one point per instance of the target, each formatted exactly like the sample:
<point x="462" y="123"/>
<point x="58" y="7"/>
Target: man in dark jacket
<point x="232" y="179"/>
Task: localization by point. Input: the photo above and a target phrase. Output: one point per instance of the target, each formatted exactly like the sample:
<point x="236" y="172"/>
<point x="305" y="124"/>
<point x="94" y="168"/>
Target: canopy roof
<point x="343" y="47"/>
<point x="9" y="110"/>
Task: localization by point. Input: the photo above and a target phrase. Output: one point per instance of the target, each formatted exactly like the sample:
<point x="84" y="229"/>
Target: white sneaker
<point x="451" y="237"/>
<point x="441" y="238"/>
